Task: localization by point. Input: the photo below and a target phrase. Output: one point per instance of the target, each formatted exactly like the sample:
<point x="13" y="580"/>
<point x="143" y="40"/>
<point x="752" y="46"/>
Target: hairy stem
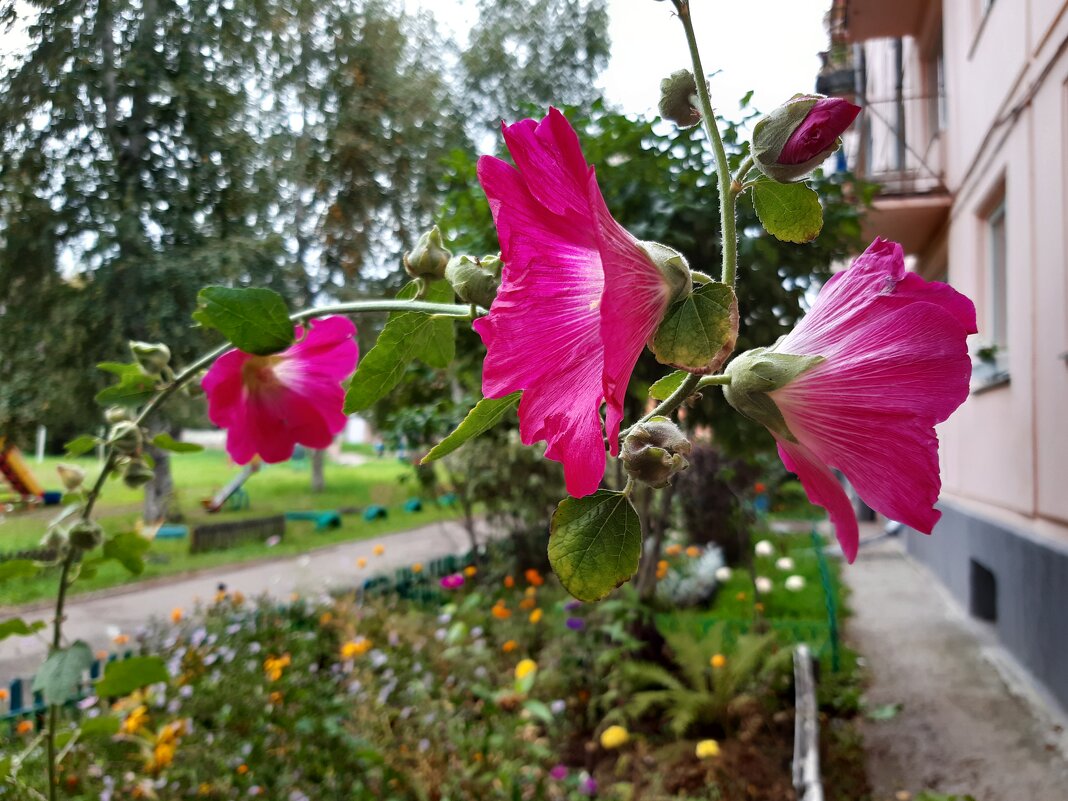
<point x="728" y="225"/>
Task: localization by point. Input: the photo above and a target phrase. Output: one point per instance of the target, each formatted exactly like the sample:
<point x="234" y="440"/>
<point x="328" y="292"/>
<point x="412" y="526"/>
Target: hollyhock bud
<point x="116" y="414"/>
<point x="71" y="475"/>
<point x="859" y="385"/>
<point x="653" y="452"/>
<point x="137" y="474"/>
<point x="474" y="280"/>
<point x="86" y="535"/>
<point x="795" y="138"/>
<point x="125" y="437"/>
<point x="676" y="99"/>
<point x="428" y="258"/>
<point x="152" y="356"/>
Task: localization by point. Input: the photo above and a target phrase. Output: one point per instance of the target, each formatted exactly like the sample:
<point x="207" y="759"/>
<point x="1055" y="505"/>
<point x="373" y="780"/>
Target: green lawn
<point x="275" y="489"/>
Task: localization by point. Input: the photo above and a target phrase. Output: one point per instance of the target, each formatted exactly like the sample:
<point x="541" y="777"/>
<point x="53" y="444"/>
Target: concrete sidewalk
<point x="970" y="721"/>
<point x="130" y="607"/>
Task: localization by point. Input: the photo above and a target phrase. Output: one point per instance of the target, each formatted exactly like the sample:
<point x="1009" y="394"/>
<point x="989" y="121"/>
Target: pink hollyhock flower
<point x="820" y="129"/>
<point x="859" y="386"/>
<point x="579" y="298"/>
<point x="270" y="404"/>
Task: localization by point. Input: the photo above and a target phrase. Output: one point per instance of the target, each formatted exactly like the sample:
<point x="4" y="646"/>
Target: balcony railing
<point x="898" y="144"/>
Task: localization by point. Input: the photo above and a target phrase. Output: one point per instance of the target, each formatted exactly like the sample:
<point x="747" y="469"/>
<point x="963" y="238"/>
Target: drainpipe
<point x="899" y="102"/>
<point x="860" y="89"/>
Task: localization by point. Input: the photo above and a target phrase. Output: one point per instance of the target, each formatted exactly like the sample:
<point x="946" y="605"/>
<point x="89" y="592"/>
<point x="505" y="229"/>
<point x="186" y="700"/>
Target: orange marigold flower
<point x="325" y="619"/>
<point x="276" y="698"/>
<point x="121" y="639"/>
<point x="528" y="603"/>
<point x="509" y="582"/>
<point x="718" y="660"/>
<point x="500" y="611"/>
<point x="361" y="562"/>
<point x="470" y="571"/>
<point x="673" y="550"/>
<point x="242" y="769"/>
<point x="662" y="565"/>
<point x="3" y="694"/>
<point x="378" y="550"/>
<point x="176" y="615"/>
<point x="533" y="577"/>
<point x="740" y="596"/>
<point x="24" y="727"/>
<point x="535" y="616"/>
<point x="509" y="646"/>
<point x="417" y="567"/>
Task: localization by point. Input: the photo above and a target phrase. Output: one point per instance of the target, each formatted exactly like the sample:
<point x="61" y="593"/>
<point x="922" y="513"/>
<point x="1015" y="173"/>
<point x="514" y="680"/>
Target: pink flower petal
<point x="823" y="489"/>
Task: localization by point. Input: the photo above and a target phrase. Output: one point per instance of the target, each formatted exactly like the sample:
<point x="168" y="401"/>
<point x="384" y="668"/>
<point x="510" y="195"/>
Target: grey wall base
<point x="1011" y="578"/>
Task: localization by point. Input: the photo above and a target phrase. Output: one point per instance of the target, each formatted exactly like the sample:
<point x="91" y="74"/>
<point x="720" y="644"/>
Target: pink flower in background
<point x="895" y="364"/>
<point x="270" y="404"/>
<point x="819" y="130"/>
<point x="578" y="301"/>
<point x="452" y="582"/>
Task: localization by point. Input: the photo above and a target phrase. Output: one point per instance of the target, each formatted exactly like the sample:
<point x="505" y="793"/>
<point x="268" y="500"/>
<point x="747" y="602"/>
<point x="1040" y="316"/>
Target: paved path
<point x="962" y="729"/>
<point x="128" y="608"/>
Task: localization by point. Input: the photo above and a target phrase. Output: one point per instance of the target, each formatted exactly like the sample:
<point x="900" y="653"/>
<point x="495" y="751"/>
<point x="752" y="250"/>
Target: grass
<point x="275" y="489"/>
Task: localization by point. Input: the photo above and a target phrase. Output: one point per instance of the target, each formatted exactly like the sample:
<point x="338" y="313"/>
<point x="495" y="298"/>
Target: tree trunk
<point x="318" y="481"/>
<point x="159" y="492"/>
<point x="654" y="523"/>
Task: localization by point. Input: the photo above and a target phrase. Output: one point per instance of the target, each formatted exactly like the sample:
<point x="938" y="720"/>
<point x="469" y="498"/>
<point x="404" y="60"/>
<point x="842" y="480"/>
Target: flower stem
<point x="726" y="196"/>
<point x="720" y="380"/>
<point x="671" y="402"/>
<point x="355" y="307"/>
<point x="739" y="177"/>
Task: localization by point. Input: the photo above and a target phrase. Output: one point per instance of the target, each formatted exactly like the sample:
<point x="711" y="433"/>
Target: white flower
<point x="785" y="563"/>
<point x="558" y="706"/>
<point x="724" y="574"/>
<point x="795" y="583"/>
<point x="765" y="548"/>
<point x="763" y="585"/>
<point x="273" y="540"/>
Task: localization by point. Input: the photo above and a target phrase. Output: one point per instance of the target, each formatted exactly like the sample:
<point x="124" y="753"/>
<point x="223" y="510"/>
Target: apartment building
<point x="965" y="126"/>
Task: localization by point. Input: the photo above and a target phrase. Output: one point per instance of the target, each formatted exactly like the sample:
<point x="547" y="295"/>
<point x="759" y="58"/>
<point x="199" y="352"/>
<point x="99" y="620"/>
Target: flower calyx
<point x="654" y="451"/>
<point x="672" y="266"/>
<point x="85" y="535"/>
<point x="677" y="92"/>
<point x="154" y="357"/>
<point x="429" y="257"/>
<point x="757" y="372"/>
<point x="794" y="139"/>
<point x="475" y="280"/>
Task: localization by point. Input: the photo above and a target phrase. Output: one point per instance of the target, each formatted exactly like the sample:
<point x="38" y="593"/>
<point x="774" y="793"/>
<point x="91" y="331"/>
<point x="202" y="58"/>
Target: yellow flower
<point x="535" y="616"/>
<point x="525" y="668"/>
<point x="220" y="596"/>
<point x="470" y="571"/>
<point x="509" y="646"/>
<point x="718" y="660"/>
<point x="275" y="698"/>
<point x="273" y="666"/>
<point x="662" y="565"/>
<point x="355" y="648"/>
<point x="176" y="614"/>
<point x="205" y="789"/>
<point x="162" y="756"/>
<point x="530" y="592"/>
<point x="417" y="567"/>
<point x="24" y="727"/>
<point x="237" y="597"/>
<point x="361" y="562"/>
<point x="707" y="749"/>
<point x="171" y="732"/>
<point x="378" y="550"/>
<point x="325" y="619"/>
<point x="614" y="737"/>
<point x="135" y="721"/>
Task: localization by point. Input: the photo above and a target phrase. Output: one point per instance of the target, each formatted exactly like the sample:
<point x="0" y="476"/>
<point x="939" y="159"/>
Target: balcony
<point x="859" y="20"/>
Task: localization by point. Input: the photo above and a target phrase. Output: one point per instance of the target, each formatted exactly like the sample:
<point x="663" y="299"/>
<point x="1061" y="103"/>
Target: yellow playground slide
<point x="17" y="473"/>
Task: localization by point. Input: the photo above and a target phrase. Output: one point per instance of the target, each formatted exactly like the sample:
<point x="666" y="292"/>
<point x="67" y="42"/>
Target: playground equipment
<point x="234" y="490"/>
<point x="323" y="519"/>
<point x="18" y="476"/>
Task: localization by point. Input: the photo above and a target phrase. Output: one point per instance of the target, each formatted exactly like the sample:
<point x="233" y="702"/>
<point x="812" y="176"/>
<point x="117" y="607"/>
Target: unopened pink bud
<point x="819" y="130"/>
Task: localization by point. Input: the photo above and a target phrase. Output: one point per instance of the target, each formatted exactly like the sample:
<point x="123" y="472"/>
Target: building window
<point x="991" y="367"/>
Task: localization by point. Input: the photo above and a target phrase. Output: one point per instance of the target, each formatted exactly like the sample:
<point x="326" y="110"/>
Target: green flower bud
<point x="799" y="135"/>
<point x="672" y="266"/>
<point x="86" y="535"/>
<point x="152" y="356"/>
<point x="428" y="258"/>
<point x="137" y="474"/>
<point x="116" y="414"/>
<point x="71" y="475"/>
<point x="55" y="540"/>
<point x="475" y="280"/>
<point x="757" y="372"/>
<point x="676" y="99"/>
<point x="125" y="437"/>
<point x="654" y="451"/>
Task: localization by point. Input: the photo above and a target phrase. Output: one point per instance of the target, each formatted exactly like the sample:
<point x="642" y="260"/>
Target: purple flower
<point x="819" y="130"/>
<point x="559" y="772"/>
<point x="452" y="582"/>
<point x="576" y="623"/>
<point x="572" y="605"/>
<point x="588" y="785"/>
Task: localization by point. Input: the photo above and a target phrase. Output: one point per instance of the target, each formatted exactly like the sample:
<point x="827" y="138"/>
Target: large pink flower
<point x="579" y="298"/>
<point x="895" y="364"/>
<point x="270" y="404"/>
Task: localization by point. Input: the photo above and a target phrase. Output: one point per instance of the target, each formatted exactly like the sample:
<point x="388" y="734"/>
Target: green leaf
<point x="884" y="712"/>
<point x="484" y="416"/>
<point x="80" y="445"/>
<point x="699" y="332"/>
<point x="120" y="368"/>
<point x="17" y="568"/>
<point x="133" y="389"/>
<point x="663" y="388"/>
<point x="124" y="676"/>
<point x="17" y="627"/>
<point x="538" y="710"/>
<point x="790" y="212"/>
<point x="128" y="548"/>
<point x="101" y="725"/>
<point x="166" y="442"/>
<point x="595" y="543"/>
<point x="58" y="678"/>
<point x="254" y="319"/>
<point x="407" y="336"/>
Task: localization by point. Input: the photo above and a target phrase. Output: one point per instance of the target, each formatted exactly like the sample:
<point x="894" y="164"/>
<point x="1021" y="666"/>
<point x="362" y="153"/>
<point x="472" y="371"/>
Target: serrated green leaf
<point x="439" y="348"/>
<point x="120" y="368"/>
<point x="595" y="543"/>
<point x="484" y="416"/>
<point x="58" y="678"/>
<point x="128" y="548"/>
<point x="254" y="319"/>
<point x="80" y="445"/>
<point x="662" y="389"/>
<point x="133" y="389"/>
<point x="17" y="568"/>
<point x="166" y="442"/>
<point x="790" y="212"/>
<point x="124" y="676"/>
<point x="100" y="726"/>
<point x="17" y="627"/>
<point x="699" y="332"/>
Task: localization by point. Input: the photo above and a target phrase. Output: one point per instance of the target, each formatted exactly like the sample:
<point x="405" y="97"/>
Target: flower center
<point x="258" y="374"/>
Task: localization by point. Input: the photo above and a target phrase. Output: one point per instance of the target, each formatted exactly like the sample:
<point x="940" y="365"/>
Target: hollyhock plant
<point x="270" y="404"/>
<point x="579" y="298"/>
<point x="794" y="139"/>
<point x="820" y="129"/>
<point x="860" y="384"/>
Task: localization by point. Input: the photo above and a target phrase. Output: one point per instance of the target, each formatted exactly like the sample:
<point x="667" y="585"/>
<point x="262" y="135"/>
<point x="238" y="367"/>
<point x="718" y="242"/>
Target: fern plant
<point x="696" y="694"/>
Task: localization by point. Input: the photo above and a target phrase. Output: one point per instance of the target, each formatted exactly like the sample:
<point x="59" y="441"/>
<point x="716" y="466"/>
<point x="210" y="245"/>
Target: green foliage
<point x="17" y="627"/>
<point x="128" y="548"/>
<point x="252" y="319"/>
<point x="123" y="676"/>
<point x="17" y="568"/>
<point x="134" y="387"/>
<point x="168" y="443"/>
<point x="484" y="416"/>
<point x="595" y="543"/>
<point x="790" y="212"/>
<point x="697" y="695"/>
<point x="663" y="387"/>
<point x="696" y="329"/>
<point x="58" y="678"/>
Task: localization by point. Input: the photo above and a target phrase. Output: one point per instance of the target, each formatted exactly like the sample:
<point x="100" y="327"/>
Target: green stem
<point x="726" y="196"/>
<point x="739" y="177"/>
<point x="670" y="403"/>
<point x="720" y="380"/>
<point x="356" y="307"/>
